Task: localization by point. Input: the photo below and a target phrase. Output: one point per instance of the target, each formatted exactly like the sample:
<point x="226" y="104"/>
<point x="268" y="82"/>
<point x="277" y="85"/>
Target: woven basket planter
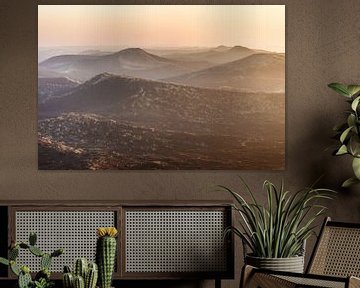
<point x="291" y="264"/>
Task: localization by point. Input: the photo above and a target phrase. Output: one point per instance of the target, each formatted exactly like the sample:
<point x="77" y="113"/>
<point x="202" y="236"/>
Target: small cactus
<point x="68" y="280"/>
<point x="80" y="268"/>
<point x="106" y="254"/>
<point x="36" y="251"/>
<point x="24" y="278"/>
<point x="67" y="269"/>
<point x="57" y="252"/>
<point x="45" y="261"/>
<point x="79" y="282"/>
<point x="13" y="253"/>
<point x="14" y="268"/>
<point x="25" y="269"/>
<point x="44" y="273"/>
<point x="32" y="238"/>
<point x="89" y="272"/>
<point x="91" y="276"/>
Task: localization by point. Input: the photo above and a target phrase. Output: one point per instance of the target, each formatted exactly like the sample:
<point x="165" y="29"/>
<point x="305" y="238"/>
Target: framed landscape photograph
<point x="175" y="87"/>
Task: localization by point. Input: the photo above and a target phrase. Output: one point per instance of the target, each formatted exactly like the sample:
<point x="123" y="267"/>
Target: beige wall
<point x="322" y="46"/>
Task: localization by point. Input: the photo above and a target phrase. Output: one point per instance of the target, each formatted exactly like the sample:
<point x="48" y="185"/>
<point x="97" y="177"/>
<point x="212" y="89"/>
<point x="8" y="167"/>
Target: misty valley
<point x="174" y="108"/>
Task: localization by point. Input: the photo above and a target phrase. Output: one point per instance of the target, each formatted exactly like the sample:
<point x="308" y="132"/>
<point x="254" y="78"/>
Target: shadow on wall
<point x="321" y="163"/>
<point x="335" y="169"/>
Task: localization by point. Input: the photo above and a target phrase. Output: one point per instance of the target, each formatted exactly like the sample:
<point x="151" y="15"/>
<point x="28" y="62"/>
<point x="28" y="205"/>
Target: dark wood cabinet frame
<point x="8" y="210"/>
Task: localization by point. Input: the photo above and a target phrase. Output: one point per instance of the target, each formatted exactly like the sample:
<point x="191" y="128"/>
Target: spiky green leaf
<point x="353" y="89"/>
<point x="349" y="182"/>
<point x="340" y="127"/>
<point x="355" y="103"/>
<point x="342" y="150"/>
<point x="340" y="88"/>
<point x="356" y="167"/>
<point x="345" y="134"/>
<point x="354" y="145"/>
<point x="4" y="261"/>
<point x="351" y="120"/>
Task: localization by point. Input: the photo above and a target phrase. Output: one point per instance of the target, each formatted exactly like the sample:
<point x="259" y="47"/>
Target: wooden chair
<point x="335" y="262"/>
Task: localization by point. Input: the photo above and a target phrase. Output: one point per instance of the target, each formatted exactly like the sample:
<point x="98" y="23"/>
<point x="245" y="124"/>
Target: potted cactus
<point x="106" y="254"/>
<point x="84" y="275"/>
<point x="42" y="278"/>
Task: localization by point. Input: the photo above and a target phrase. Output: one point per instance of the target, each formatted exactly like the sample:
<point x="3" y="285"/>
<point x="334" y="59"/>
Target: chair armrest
<point x="255" y="277"/>
<point x="252" y="277"/>
<point x="354" y="282"/>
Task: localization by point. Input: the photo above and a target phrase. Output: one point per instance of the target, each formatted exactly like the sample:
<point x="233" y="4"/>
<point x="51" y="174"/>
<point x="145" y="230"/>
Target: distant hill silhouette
<point x="258" y="72"/>
<point x="218" y="55"/>
<point x="131" y="62"/>
<point x="50" y="87"/>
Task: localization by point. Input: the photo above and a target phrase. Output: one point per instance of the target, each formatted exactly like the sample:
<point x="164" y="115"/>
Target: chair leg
<point x="246" y="273"/>
<point x="217" y="283"/>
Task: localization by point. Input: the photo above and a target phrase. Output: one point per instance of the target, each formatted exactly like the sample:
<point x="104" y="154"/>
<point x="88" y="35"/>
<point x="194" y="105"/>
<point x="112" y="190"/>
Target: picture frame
<point x="149" y="91"/>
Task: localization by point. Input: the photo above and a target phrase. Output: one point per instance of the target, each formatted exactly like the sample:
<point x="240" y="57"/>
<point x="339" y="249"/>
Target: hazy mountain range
<point x="131" y="62"/>
<point x="258" y="72"/>
<point x="208" y="108"/>
<point x="169" y="105"/>
<point x="217" y="55"/>
<point x="221" y="67"/>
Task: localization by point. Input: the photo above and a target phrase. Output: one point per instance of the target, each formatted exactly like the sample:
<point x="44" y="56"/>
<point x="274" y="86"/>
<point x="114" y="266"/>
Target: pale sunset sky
<point x="151" y="26"/>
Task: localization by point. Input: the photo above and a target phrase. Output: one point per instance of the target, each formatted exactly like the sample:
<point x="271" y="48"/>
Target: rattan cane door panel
<point x="74" y="230"/>
<point x="175" y="241"/>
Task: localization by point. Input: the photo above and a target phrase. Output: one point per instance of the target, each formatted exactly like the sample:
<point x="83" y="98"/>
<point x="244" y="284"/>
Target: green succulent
<point x="42" y="278"/>
<point x="348" y="133"/>
<point x="43" y="283"/>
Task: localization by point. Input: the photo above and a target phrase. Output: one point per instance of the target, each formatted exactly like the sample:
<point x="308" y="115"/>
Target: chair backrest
<point x="337" y="251"/>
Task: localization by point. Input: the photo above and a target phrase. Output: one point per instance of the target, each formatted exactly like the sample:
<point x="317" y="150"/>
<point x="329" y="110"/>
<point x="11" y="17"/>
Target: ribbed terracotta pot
<point x="291" y="264"/>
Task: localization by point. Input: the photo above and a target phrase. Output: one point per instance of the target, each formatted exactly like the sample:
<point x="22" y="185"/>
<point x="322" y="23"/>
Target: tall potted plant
<point x="348" y="132"/>
<point x="276" y="233"/>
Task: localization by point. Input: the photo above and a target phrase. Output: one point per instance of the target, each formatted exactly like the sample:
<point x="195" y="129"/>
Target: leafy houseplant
<point x="349" y="132"/>
<point x="279" y="229"/>
<point x="42" y="278"/>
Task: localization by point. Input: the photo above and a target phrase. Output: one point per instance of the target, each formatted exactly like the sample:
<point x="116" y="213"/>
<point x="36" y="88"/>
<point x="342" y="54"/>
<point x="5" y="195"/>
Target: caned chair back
<point x="337" y="252"/>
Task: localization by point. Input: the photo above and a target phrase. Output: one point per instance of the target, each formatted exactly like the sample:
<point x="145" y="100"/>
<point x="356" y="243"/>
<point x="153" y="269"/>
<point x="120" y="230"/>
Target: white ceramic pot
<point x="291" y="264"/>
